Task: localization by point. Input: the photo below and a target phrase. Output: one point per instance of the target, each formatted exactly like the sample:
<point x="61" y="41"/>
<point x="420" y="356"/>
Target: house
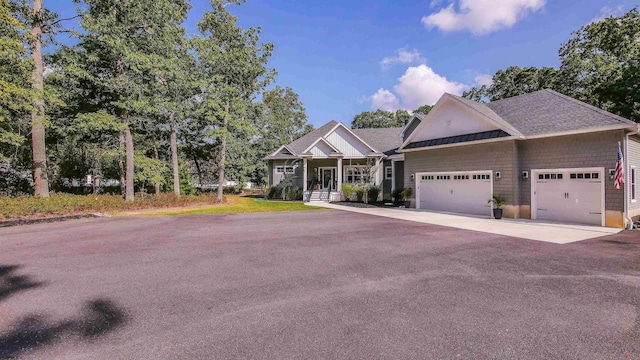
<point x="550" y="156"/>
<point x="322" y="160"/>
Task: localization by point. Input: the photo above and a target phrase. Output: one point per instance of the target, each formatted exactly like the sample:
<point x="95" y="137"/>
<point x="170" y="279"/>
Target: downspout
<point x="626" y="180"/>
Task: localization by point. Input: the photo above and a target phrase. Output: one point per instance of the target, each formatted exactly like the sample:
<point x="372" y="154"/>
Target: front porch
<point x="323" y="178"/>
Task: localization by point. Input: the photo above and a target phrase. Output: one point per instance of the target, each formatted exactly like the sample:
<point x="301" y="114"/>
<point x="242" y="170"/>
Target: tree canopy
<point x="385" y="119"/>
<point x="599" y="65"/>
<point x="138" y="103"/>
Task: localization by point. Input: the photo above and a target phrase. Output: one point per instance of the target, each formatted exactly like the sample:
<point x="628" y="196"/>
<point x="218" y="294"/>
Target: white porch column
<point x="304" y="174"/>
<point x="339" y="174"/>
<point x="380" y="173"/>
<point x="393" y="175"/>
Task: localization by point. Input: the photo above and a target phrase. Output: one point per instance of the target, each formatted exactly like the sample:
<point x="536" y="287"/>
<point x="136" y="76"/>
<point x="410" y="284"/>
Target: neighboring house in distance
<point x="550" y="156"/>
<point x="333" y="154"/>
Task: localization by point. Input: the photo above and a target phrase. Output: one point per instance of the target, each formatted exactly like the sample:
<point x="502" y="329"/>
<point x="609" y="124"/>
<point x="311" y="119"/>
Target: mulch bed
<point x="30" y="221"/>
<point x="363" y="205"/>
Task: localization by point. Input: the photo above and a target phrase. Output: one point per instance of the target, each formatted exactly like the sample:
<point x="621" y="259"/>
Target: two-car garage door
<point x="461" y="192"/>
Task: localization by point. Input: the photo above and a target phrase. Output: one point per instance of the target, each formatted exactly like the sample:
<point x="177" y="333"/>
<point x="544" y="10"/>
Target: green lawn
<point x="237" y="204"/>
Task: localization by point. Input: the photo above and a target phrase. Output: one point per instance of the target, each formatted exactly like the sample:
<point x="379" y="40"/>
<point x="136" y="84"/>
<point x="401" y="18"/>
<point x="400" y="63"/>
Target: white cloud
<point x="481" y="16"/>
<point x="385" y="100"/>
<point x="403" y="56"/>
<point x="607" y="11"/>
<point x="483" y="79"/>
<point x="418" y="86"/>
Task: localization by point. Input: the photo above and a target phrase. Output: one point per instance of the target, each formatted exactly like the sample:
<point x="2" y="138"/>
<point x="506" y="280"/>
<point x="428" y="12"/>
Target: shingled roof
<point x="300" y="145"/>
<point x="547" y="112"/>
<point x="381" y="139"/>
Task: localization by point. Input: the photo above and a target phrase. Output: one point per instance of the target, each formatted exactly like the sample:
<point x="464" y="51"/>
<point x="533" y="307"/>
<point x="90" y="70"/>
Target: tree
<point x="424" y="109"/>
<point x="15" y="89"/>
<point x="514" y="81"/>
<point x="600" y="64"/>
<point x="380" y="119"/>
<point x="116" y="60"/>
<point x="233" y="67"/>
<point x="279" y="119"/>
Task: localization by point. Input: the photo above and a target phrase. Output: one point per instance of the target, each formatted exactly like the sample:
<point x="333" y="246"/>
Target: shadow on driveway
<point x="98" y="317"/>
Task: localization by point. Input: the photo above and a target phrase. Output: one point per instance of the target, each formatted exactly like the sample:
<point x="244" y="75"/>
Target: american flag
<point x="619" y="178"/>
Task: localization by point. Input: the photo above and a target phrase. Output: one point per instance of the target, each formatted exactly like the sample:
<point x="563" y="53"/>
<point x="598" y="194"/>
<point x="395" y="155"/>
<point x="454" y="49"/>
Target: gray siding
<point x="274" y="178"/>
<point x="496" y="156"/>
<point x="573" y="151"/>
<point x="633" y="159"/>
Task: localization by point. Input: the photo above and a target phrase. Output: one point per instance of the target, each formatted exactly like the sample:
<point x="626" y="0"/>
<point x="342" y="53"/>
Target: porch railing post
<point x="339" y="175"/>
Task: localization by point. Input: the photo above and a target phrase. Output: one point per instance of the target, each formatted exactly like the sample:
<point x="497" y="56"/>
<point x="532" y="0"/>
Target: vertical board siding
<point x="348" y="144"/>
<point x="321" y="149"/>
<point x="573" y="151"/>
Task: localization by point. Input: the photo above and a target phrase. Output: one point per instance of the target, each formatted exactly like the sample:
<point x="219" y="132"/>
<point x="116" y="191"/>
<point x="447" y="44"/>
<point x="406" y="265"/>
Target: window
<point x="388" y="172"/>
<point x="281" y="169"/>
<point x="632" y="180"/>
<point x="355" y="174"/>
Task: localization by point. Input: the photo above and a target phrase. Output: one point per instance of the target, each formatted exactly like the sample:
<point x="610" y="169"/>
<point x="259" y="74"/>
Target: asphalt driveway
<point x="321" y="284"/>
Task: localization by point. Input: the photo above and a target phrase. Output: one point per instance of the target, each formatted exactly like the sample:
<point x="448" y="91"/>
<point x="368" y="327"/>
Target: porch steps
<point x="319" y="196"/>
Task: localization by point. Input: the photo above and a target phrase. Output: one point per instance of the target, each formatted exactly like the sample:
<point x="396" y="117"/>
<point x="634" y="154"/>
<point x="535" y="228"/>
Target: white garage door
<point x="568" y="195"/>
<point x="461" y="192"/>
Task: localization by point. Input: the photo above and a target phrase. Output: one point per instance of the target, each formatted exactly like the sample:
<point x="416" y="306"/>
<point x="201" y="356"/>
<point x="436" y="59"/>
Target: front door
<point x="327" y="178"/>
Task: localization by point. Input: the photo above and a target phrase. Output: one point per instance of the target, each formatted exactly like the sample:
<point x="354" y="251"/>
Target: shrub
<point x="359" y="192"/>
<point x="294" y="193"/>
<point x="372" y="193"/>
<point x="273" y="192"/>
<point x="347" y="191"/>
<point x="406" y="193"/>
<point x="231" y="190"/>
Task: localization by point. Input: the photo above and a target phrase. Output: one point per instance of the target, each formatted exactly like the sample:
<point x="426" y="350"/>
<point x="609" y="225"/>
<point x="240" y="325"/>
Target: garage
<point x="568" y="195"/>
<point x="459" y="192"/>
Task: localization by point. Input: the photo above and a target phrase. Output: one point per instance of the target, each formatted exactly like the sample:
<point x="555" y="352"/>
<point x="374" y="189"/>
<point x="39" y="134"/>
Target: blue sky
<point x="345" y="57"/>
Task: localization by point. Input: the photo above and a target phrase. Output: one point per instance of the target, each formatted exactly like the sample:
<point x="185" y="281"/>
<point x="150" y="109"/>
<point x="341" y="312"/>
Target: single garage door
<point x="460" y="192"/>
<point x="569" y="195"/>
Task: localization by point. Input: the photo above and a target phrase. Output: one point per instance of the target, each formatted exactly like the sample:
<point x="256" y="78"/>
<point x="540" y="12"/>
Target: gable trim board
<point x="308" y="150"/>
<point x="351" y="132"/>
<point x="442" y="103"/>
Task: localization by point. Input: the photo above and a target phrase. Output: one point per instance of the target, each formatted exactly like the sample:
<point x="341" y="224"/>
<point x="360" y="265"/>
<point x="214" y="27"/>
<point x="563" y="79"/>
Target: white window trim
<point x="388" y="172"/>
<point x="279" y="169"/>
<point x="290" y="167"/>
<point x="633" y="184"/>
<point x="344" y="173"/>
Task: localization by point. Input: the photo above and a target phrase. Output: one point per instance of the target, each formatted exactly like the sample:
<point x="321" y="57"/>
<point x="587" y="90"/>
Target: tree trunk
<point x="128" y="139"/>
<point x="195" y="160"/>
<point x="223" y="152"/>
<point x="121" y="165"/>
<point x="174" y="157"/>
<point x="37" y="114"/>
<point x="155" y="154"/>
